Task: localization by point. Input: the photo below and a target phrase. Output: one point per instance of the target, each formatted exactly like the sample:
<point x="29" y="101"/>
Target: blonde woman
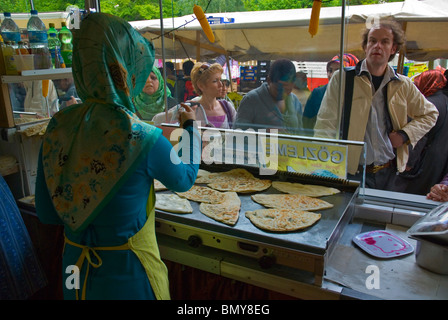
<point x="210" y="110"/>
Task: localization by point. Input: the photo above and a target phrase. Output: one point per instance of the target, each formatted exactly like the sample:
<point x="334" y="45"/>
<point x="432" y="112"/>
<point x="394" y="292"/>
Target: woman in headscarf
<point x="98" y="163"/>
<point x="151" y="100"/>
<point x="428" y="160"/>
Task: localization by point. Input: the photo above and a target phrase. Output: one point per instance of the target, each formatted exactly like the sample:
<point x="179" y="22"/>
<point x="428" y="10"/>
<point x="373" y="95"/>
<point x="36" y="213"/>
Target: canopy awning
<point x="269" y="35"/>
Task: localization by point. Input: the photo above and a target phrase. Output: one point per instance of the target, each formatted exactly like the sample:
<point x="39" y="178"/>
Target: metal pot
<point x="431" y="256"/>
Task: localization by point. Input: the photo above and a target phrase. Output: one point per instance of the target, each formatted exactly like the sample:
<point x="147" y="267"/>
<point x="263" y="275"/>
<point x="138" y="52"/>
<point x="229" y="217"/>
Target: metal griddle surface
<point x="314" y="239"/>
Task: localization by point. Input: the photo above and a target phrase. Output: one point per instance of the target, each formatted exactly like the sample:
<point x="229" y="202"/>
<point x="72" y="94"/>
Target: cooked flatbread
<point x="204" y="176"/>
<point x="291" y="201"/>
<point x="159" y="186"/>
<point x="304" y="189"/>
<point x="202" y="194"/>
<point x="226" y="212"/>
<point x="173" y="203"/>
<point x="282" y="220"/>
<point x="237" y="180"/>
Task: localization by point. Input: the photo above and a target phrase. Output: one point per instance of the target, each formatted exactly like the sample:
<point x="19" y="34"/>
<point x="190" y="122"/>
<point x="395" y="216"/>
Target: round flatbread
<point x="304" y="189"/>
<point x="173" y="203"/>
<point x="282" y="220"/>
<point x="291" y="201"/>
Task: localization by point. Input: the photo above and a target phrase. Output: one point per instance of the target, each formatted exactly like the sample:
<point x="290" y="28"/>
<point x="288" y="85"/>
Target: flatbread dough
<point x="173" y="203"/>
<point x="226" y="212"/>
<point x="304" y="189"/>
<point x="282" y="220"/>
<point x="291" y="201"/>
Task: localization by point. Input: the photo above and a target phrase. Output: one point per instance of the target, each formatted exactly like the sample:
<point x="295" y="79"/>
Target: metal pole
<point x="341" y="68"/>
<point x="32" y="4"/>
<point x="162" y="39"/>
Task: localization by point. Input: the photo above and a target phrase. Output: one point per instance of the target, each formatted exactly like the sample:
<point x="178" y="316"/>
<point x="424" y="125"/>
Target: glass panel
<point x="29" y="102"/>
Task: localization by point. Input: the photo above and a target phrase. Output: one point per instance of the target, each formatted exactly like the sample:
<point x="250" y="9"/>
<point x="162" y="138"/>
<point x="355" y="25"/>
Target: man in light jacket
<point x="387" y="112"/>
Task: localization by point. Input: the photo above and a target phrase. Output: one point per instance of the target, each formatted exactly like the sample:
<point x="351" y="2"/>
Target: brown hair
<point x="201" y="73"/>
<point x="394" y="26"/>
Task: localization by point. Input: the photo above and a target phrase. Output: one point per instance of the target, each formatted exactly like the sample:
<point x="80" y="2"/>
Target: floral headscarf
<point x="150" y="105"/>
<point x="89" y="149"/>
<point x="430" y="81"/>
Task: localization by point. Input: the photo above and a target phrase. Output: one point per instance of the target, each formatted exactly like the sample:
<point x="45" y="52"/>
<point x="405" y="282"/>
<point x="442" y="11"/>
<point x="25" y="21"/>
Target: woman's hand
<point x="186" y="113"/>
<point x="439" y="192"/>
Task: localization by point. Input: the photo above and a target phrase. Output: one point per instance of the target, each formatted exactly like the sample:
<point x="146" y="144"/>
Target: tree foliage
<point x="132" y="10"/>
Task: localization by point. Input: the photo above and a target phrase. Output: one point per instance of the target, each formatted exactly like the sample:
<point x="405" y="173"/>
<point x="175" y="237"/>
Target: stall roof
<point x="268" y="35"/>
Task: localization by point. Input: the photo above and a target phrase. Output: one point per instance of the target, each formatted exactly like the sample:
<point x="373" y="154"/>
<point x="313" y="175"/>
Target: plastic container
<point x="66" y="38"/>
<point x="55" y="50"/>
<point x="8" y="50"/>
<point x="37" y="34"/>
<point x="9" y="29"/>
<point x="24" y="62"/>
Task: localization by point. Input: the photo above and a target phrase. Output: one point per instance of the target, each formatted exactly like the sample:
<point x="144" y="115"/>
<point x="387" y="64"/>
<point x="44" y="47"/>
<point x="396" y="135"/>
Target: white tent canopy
<point x="265" y="35"/>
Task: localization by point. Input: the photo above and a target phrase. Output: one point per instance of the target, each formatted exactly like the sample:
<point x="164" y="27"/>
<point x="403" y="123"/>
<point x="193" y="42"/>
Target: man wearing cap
<point x="387" y="111"/>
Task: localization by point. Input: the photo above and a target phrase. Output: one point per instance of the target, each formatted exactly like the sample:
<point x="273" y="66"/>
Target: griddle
<point x="305" y="249"/>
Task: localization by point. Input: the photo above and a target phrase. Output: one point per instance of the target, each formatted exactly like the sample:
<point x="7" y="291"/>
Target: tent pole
<point x="402" y="53"/>
<point x="341" y="68"/>
<point x="230" y="71"/>
<point x="198" y="47"/>
<point x="163" y="60"/>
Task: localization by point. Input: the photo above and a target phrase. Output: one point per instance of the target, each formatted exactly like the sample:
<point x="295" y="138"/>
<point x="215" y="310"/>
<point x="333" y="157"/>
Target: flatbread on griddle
<point x="237" y="180"/>
<point x="173" y="203"/>
<point x="226" y="212"/>
<point x="304" y="189"/>
<point x="291" y="201"/>
<point x="282" y="220"/>
<point x="159" y="186"/>
<point x="202" y="194"/>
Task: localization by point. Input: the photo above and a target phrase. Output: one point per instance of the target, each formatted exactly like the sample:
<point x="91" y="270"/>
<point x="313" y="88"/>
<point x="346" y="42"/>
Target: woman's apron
<point x="143" y="244"/>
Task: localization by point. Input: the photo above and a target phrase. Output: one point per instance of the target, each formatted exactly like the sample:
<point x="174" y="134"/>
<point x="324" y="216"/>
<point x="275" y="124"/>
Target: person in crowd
<point x="151" y="100"/>
<point x="225" y="90"/>
<point x="70" y="95"/>
<point x="382" y="103"/>
<point x="170" y="75"/>
<point x="211" y="110"/>
<point x="439" y="192"/>
<point x="21" y="274"/>
<point x="301" y="87"/>
<point x="428" y="160"/>
<point x="98" y="163"/>
<point x="314" y="101"/>
<point x="184" y="87"/>
<point x="272" y="105"/>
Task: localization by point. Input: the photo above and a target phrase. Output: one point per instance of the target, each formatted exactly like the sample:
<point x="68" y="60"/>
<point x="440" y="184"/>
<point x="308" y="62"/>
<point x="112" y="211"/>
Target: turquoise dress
<point x="97" y="165"/>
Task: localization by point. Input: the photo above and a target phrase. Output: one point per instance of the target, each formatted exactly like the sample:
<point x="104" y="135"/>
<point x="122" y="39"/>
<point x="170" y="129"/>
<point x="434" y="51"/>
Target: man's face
<point x="380" y="46"/>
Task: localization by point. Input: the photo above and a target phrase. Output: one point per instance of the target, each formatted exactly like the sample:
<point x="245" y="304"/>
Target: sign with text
<point x="314" y="158"/>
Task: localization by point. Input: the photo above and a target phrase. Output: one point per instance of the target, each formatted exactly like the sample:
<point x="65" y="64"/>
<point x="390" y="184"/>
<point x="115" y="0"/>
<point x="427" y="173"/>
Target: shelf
<point x="28" y="75"/>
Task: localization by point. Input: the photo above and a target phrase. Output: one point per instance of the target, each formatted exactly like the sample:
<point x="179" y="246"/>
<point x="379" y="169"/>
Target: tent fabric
<point x="268" y="35"/>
